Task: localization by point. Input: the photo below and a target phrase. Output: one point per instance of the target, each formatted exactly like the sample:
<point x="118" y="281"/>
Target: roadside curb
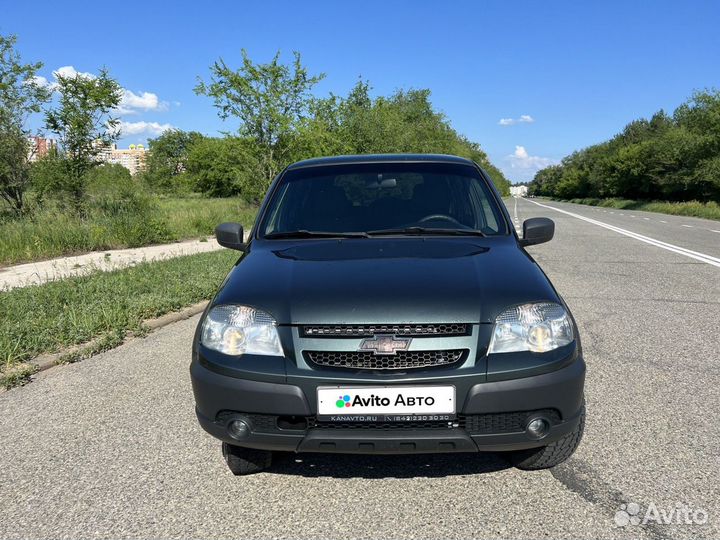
<point x="44" y="271"/>
<point x="47" y="361"/>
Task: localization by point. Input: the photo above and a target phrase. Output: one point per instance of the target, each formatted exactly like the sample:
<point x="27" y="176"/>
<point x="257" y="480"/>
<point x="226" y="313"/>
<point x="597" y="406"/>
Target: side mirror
<point x="230" y="235"/>
<point x="537" y="231"/>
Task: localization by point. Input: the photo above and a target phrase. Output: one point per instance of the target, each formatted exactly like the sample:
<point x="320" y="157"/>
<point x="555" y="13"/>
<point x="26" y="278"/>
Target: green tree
<point x="20" y="96"/>
<point x="223" y="167"/>
<point x="167" y="159"/>
<point x="270" y="101"/>
<point x="406" y="122"/>
<point x="84" y="124"/>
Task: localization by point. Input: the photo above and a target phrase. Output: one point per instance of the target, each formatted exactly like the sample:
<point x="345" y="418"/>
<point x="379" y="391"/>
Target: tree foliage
<point x="167" y="160"/>
<point x="225" y="167"/>
<point x="674" y="158"/>
<point x="405" y="122"/>
<point x="269" y="100"/>
<point x="84" y="124"/>
<point x="281" y="121"/>
<point x="20" y="96"/>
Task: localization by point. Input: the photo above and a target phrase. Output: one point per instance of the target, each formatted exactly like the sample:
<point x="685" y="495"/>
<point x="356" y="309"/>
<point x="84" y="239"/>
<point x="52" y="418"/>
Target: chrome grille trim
<point x="369" y="330"/>
<point x="369" y="360"/>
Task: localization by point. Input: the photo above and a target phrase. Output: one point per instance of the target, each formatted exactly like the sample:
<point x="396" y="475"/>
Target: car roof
<point x="380" y="158"/>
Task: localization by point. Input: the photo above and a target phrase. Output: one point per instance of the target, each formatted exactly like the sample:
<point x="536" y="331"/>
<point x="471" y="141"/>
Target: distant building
<point x="519" y="191"/>
<point x="132" y="158"/>
<point x="39" y="147"/>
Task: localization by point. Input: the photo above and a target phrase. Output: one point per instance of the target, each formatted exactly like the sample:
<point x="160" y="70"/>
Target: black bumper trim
<point x="215" y="392"/>
<point x="384" y="442"/>
<point x="378" y="441"/>
<point x="561" y="390"/>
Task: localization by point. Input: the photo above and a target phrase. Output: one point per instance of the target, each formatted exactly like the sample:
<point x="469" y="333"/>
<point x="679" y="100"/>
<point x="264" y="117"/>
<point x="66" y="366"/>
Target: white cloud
<point x="131" y="102"/>
<point x="40" y="81"/>
<point x="524" y="119"/>
<point x="70" y="71"/>
<point x="64" y="71"/>
<point x="520" y="159"/>
<point x="136" y="128"/>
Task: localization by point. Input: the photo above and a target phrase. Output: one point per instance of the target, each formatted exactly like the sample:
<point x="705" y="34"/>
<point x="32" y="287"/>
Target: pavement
<point x="109" y="447"/>
<point x="38" y="272"/>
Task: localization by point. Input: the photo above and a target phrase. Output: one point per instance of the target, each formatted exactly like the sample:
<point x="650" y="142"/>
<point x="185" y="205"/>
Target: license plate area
<point x="386" y="403"/>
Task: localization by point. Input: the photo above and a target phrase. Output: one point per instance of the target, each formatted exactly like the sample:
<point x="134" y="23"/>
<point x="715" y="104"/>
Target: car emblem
<point x="385" y="344"/>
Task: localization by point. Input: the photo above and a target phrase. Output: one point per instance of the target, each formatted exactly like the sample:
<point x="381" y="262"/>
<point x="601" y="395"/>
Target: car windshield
<point x="382" y="198"/>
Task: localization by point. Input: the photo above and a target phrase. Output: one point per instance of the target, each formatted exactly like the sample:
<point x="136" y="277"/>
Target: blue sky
<point x="579" y="70"/>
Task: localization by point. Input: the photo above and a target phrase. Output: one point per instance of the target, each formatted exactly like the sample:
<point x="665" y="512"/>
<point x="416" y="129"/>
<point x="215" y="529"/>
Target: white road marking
<point x="713" y="230"/>
<point x="646" y="218"/>
<point x="708" y="259"/>
<point x="517" y="221"/>
<point x="688" y="226"/>
<point x="631" y="215"/>
<point x="663" y="221"/>
<point x="622" y="214"/>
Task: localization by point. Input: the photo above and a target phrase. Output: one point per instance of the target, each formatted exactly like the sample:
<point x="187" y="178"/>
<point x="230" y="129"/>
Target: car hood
<point x="405" y="280"/>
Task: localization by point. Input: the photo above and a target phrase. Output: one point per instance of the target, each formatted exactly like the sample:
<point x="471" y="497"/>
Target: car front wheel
<point x="242" y="461"/>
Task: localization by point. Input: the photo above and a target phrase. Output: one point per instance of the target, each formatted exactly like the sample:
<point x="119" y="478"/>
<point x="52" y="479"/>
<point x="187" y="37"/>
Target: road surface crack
<point x="582" y="479"/>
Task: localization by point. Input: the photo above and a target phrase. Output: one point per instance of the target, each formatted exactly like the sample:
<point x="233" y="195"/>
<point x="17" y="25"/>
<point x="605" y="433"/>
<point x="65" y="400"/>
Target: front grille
<point x="369" y="330"/>
<point x="474" y="424"/>
<point x="370" y="360"/>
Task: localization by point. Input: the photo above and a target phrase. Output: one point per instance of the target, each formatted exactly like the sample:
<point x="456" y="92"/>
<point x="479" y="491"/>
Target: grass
<point x="102" y="307"/>
<point x="708" y="210"/>
<point x="49" y="234"/>
<point x="192" y="217"/>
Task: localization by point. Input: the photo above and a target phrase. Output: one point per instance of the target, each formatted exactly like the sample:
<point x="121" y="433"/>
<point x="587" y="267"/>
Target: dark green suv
<point x="384" y="304"/>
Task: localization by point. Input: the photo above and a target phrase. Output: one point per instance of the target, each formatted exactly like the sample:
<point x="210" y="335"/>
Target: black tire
<point x="551" y="455"/>
<point x="242" y="461"/>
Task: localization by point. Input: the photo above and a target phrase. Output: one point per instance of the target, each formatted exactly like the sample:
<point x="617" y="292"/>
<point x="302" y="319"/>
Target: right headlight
<point x="538" y="327"/>
<point x="238" y="330"/>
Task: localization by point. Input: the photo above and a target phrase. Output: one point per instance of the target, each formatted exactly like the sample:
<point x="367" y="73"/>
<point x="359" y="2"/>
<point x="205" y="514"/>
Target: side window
<point x="490" y="220"/>
<point x="273" y="222"/>
<point x="486" y="218"/>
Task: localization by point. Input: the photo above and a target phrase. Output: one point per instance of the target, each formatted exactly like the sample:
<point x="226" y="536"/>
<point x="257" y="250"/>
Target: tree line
<point x="668" y="157"/>
<point x="280" y="121"/>
<point x="277" y="120"/>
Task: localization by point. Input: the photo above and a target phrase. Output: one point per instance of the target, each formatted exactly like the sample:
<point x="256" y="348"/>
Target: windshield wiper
<point x="302" y="233"/>
<point x="427" y="231"/>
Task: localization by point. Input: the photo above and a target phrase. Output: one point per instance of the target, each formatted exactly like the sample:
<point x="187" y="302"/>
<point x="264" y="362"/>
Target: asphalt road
<point x="110" y="448"/>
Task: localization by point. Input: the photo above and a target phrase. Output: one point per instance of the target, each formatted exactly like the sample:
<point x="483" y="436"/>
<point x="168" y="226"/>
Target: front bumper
<point x="491" y="414"/>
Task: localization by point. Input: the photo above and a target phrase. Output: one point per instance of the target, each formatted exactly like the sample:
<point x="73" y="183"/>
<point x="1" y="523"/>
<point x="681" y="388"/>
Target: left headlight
<point x="237" y="330"/>
<point x="538" y="327"/>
